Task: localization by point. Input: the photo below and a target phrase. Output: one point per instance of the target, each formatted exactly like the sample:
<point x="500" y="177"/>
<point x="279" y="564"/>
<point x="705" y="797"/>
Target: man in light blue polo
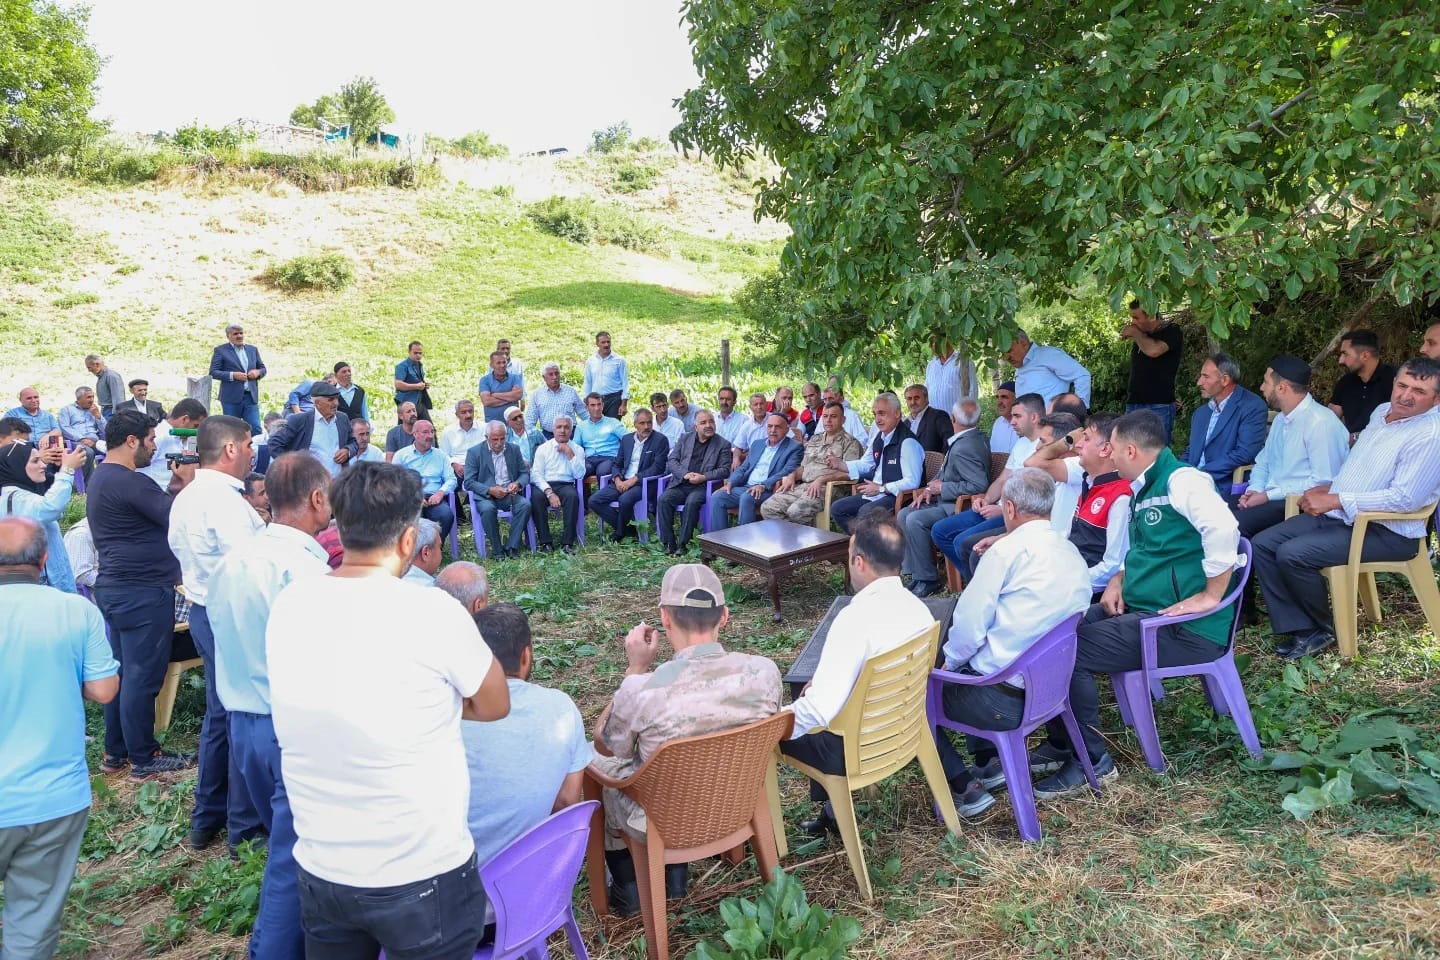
<point x="607" y="374"/>
<point x="245" y="584"/>
<point x="53" y="656"/>
<point x="437" y="476"/>
<point x="769" y="461"/>
<point x="600" y="435"/>
<point x="1048" y="371"/>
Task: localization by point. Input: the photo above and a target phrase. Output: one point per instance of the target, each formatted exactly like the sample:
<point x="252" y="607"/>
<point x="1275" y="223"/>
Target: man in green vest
<point x="1183" y="541"/>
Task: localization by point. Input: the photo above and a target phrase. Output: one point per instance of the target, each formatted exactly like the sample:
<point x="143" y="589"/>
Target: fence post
<point x="725" y="362"/>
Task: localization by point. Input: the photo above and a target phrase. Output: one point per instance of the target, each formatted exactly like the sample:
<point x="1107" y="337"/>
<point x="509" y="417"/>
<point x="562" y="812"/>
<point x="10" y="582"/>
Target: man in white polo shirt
<point x="368" y="720"/>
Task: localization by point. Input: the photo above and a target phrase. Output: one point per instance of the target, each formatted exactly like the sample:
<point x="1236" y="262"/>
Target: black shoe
<point x="1283" y="648"/>
<point x="160" y="763"/>
<point x="677" y="878"/>
<point x="568" y="549"/>
<point x="202" y="837"/>
<point x="670" y="550"/>
<point x="923" y="588"/>
<point x="820" y="825"/>
<point x="1047" y="758"/>
<point x="1071" y="778"/>
<point x="1310" y="645"/>
<point x="545" y="547"/>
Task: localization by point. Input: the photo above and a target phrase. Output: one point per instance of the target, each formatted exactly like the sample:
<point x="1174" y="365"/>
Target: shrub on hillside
<point x="328" y="271"/>
<point x="477" y="145"/>
<point x="197" y="137"/>
<point x="632" y="177"/>
<point x="612" y="138"/>
<point x="582" y="220"/>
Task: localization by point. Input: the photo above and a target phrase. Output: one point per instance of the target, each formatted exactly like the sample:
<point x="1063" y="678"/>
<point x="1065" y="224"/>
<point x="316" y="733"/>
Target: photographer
<point x="186" y="416"/>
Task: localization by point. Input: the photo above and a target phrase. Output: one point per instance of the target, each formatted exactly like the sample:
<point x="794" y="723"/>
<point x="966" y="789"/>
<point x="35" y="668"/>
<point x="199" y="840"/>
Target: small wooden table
<point x="776" y="548"/>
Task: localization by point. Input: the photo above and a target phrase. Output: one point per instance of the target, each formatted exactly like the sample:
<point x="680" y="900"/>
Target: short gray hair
<point x="232" y="327"/>
<point x="494" y="425"/>
<point x="465" y="581"/>
<point x="81" y="391"/>
<point x="93" y="358"/>
<point x="889" y="397"/>
<point x="1226" y="365"/>
<point x="549" y="366"/>
<point x="429" y="535"/>
<point x="966" y="411"/>
<point x="563" y="416"/>
<point x="25" y="550"/>
<point x="462" y="402"/>
<point x="1031" y="491"/>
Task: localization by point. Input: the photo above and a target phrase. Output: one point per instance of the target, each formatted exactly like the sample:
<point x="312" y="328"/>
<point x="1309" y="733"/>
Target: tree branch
<point x="1275" y="114"/>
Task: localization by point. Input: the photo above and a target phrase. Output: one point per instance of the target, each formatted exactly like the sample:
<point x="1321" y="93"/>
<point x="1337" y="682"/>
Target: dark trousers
<point x="997" y="707"/>
<point x="825" y="751"/>
<point x="1253" y="521"/>
<point x="439" y="918"/>
<point x="612" y="403"/>
<point x="278" y="934"/>
<point x="441" y="514"/>
<point x="141" y="621"/>
<point x="1112" y="645"/>
<point x="844" y="511"/>
<point x="518" y="508"/>
<point x="1288" y="559"/>
<point x="220" y="801"/>
<point x="598" y="465"/>
<point x="616" y="508"/>
<point x="965" y="546"/>
<point x="569" y="512"/>
<point x="247" y="410"/>
<point x="947" y="532"/>
<point x="691" y="496"/>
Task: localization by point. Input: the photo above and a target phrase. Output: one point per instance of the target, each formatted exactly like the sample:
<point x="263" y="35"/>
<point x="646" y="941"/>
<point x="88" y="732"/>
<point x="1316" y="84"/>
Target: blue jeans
<point x="141" y="623"/>
<point x="278" y="934"/>
<point x="220" y="801"/>
<point x="440" y="918"/>
<point x="946" y="533"/>
<point x="1165" y="411"/>
<point x="721" y="502"/>
<point x="247" y="410"/>
<point x="965" y="546"/>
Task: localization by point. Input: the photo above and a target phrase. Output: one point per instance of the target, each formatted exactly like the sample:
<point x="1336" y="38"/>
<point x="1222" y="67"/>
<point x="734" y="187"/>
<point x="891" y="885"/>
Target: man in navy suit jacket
<point x="931" y="427"/>
<point x="299" y="431"/>
<point x="1228" y="430"/>
<point x="615" y="503"/>
<point x="238" y="369"/>
<point x="768" y="462"/>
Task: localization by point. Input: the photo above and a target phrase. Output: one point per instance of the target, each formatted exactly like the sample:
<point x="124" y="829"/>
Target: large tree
<point x="48" y="72"/>
<point x="937" y="159"/>
<point x="364" y="107"/>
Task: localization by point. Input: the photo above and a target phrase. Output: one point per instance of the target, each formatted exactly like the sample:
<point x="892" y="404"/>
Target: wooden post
<point x="725" y="363"/>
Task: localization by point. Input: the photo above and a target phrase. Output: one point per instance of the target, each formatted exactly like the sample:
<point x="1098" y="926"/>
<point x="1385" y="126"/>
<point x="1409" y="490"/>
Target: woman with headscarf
<point x="23" y="494"/>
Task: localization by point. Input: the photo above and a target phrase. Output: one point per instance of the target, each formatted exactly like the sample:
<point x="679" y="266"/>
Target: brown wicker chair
<point x="952" y="576"/>
<point x="702" y="796"/>
<point x="934" y="460"/>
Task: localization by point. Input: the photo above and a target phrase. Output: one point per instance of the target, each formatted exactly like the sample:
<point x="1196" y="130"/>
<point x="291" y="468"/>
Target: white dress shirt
<point x="1067" y="496"/>
<point x="632" y="471"/>
<point x="1304" y="449"/>
<point x="1393" y="467"/>
<point x="455" y="442"/>
<point x="912" y="467"/>
<point x="730" y="427"/>
<point x="1021" y="450"/>
<point x="208" y="520"/>
<point x="942" y="380"/>
<point x="880" y="617"/>
<point x="550" y="465"/>
<point x="856" y="427"/>
<point x="325" y="442"/>
<point x="1027" y="582"/>
<point x="670" y="428"/>
<point x="748" y="432"/>
<point x="1192" y="493"/>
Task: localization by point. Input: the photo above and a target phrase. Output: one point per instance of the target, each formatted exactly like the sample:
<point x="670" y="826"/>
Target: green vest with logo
<point x="1163" y="564"/>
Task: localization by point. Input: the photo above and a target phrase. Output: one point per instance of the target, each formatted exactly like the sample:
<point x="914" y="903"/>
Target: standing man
<point x="770" y="460"/>
<point x="948" y="376"/>
<point x="930" y="425"/>
<point x="550" y="400"/>
<point x="109" y="385"/>
<point x="1156" y="348"/>
<point x="800" y="496"/>
<point x="680" y="404"/>
<point x="496" y="476"/>
<point x="599" y="433"/>
<point x="54" y="657"/>
<point x="607" y="375"/>
<point x="514" y="364"/>
<point x="209" y="520"/>
<point x="1048" y="371"/>
<point x="384" y="857"/>
<point x="500" y="388"/>
<point x="135" y="589"/>
<point x="437" y="477"/>
<point x="185" y="415"/>
<point x="410" y="383"/>
<point x="1002" y="434"/>
<point x="728" y="421"/>
<point x="966" y="471"/>
<point x="555" y="477"/>
<point x="352" y="395"/>
<point x="702" y="456"/>
<point x="245" y="586"/>
<point x="642" y="456"/>
<point x="140" y="401"/>
<point x="1367" y="382"/>
<point x="1228" y="429"/>
<point x="814" y="408"/>
<point x="324" y="432"/>
<point x="896" y="463"/>
<point x="460" y="438"/>
<point x="238" y="369"/>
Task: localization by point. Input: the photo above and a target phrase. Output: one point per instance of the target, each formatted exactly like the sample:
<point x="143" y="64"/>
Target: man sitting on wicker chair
<point x="703" y="689"/>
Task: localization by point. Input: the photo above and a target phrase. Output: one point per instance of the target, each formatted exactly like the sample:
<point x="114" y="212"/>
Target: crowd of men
<point x="381" y="773"/>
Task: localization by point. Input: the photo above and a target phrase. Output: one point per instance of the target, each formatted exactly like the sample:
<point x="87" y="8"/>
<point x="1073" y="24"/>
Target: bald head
<point x="466" y="582"/>
<point x="22" y="546"/>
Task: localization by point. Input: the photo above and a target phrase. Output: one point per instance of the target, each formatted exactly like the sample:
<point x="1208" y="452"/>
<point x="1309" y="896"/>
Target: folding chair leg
<point x="1342" y="606"/>
<point x="929" y="758"/>
<point x="844" y="806"/>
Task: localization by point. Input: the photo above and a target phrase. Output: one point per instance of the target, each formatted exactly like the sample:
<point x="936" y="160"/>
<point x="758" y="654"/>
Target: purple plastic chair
<point x="579" y="520"/>
<point x="1134" y="688"/>
<point x="455" y="527"/>
<point x="479" y="528"/>
<point x="531" y="886"/>
<point x="710" y="485"/>
<point x="1045" y="670"/>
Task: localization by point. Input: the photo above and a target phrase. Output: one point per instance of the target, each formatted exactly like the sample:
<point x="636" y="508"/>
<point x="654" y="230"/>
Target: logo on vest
<point x="1151" y="517"/>
<point x="1097" y="505"/>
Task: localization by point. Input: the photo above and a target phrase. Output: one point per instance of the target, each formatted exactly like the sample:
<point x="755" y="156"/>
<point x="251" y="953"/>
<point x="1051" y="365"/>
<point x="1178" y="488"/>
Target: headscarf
<point x="14" y="457"/>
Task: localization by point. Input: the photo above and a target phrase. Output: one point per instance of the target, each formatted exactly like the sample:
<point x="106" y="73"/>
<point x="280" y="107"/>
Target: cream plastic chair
<point x="822" y="519"/>
<point x="884" y="727"/>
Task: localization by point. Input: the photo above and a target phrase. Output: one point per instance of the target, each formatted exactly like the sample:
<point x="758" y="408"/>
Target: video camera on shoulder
<point x="186" y="456"/>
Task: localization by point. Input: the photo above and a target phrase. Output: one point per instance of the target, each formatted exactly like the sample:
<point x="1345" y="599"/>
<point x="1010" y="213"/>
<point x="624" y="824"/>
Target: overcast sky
<point x="532" y="73"/>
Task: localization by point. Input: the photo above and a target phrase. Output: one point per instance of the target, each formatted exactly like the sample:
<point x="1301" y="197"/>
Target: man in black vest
<point x="896" y="461"/>
<point x="352" y="395"/>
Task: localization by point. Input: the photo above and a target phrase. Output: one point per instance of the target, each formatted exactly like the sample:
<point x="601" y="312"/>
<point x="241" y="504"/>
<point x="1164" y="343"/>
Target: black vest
<point x="353" y="409"/>
<point x="887" y="458"/>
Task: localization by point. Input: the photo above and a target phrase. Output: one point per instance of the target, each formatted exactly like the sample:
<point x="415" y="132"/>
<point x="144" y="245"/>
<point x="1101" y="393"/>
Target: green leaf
<point x="1423" y="790"/>
<point x="1335" y="792"/>
<point x="1369" y="95"/>
<point x="1369" y="778"/>
<point x="1281" y="760"/>
<point x="1362" y="732"/>
<point x="1429" y="758"/>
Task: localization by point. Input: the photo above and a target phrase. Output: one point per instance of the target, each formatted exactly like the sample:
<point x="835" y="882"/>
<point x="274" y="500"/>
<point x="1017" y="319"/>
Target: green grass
<point x="33" y="242"/>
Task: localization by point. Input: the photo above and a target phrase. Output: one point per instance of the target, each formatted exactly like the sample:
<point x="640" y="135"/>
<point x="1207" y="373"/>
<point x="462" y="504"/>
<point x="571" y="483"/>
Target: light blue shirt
<point x="46" y="510"/>
<point x="53" y="642"/>
<point x="77" y="424"/>
<point x="761" y="471"/>
<point x="671" y="428"/>
<point x="1305" y="448"/>
<point x="300" y="397"/>
<point x="600" y="439"/>
<point x="488" y="384"/>
<point x="1217" y="407"/>
<point x="1049" y="371"/>
<point x="241" y="591"/>
<point x="371" y="453"/>
<point x="436" y="473"/>
<point x="730" y="427"/>
<point x="42" y="421"/>
<point x="607" y="375"/>
<point x="1394" y="467"/>
<point x="325" y="442"/>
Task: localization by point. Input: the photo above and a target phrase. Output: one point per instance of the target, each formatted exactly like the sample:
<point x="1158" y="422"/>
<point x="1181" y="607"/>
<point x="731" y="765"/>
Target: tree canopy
<point x="935" y="160"/>
<point x="48" y="72"/>
<point x="358" y="103"/>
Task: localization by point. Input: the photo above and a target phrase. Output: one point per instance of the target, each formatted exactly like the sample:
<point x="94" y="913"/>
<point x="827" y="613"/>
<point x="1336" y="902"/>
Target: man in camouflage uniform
<point x="703" y="689"/>
<point x="799" y="497"/>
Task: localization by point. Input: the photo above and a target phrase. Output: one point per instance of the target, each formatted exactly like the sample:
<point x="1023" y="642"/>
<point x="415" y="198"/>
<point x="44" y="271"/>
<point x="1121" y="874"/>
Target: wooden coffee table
<point x="775" y="548"/>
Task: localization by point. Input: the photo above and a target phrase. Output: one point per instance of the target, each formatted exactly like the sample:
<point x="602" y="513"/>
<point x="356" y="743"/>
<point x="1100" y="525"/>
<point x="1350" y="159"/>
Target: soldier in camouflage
<point x="799" y="497"/>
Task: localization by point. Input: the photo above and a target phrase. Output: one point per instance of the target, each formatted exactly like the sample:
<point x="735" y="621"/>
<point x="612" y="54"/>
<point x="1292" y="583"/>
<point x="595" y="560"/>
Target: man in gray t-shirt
<point x="529" y="764"/>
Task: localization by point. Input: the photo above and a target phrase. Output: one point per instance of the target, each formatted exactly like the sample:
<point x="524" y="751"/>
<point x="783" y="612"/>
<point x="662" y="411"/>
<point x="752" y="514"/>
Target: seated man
<point x="1030" y="580"/>
<point x="463" y="435"/>
<point x="437" y="479"/>
<point x="468" y="583"/>
<point x="1025" y="414"/>
<point x="769" y="461"/>
<point x="1071" y="404"/>
<point x="668" y="426"/>
<point x="1367" y="382"/>
<point x="642" y="456"/>
<point x="323" y="432"/>
<point x="81" y="425"/>
<point x="301" y="399"/>
<point x="800" y="496"/>
<point x="530" y="763"/>
<point x="728" y="421"/>
<point x="185" y="415"/>
<point x="426" y="562"/>
<point x="853" y="425"/>
<point x="1002" y="434"/>
<point x="701" y="457"/>
<point x="402" y="434"/>
<point x="254" y="494"/>
<point x="930" y="426"/>
<point x="680" y="409"/>
<point x="1181" y="560"/>
<point x="1228" y="430"/>
<point x="880" y="617"/>
<point x="41" y="422"/>
<point x="703" y="689"/>
<point x="600" y="436"/>
<point x="140" y="401"/>
<point x="896" y="461"/>
<point x="809" y="419"/>
<point x="496" y="476"/>
<point x="1393" y="467"/>
<point x="965" y="472"/>
<point x="559" y="466"/>
<point x="750" y="431"/>
<point x="364" y="449"/>
<point x="526" y="441"/>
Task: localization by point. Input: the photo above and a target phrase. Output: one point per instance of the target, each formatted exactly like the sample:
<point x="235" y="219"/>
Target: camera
<point x="181" y="459"/>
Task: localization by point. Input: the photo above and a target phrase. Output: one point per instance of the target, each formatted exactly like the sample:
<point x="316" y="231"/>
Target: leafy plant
<point x="582" y="220"/>
<point x="632" y="177"/>
<point x="329" y="271"/>
<point x="48" y="76"/>
<point x="612" y="138"/>
<point x="477" y="145"/>
<point x="198" y="137"/>
<point x="782" y="923"/>
<point x="226" y="893"/>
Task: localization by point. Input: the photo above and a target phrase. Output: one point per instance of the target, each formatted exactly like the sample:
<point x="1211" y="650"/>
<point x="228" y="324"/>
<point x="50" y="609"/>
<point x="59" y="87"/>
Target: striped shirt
<point x="1394" y="467"/>
<point x="943" y="381"/>
<point x="547" y="404"/>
